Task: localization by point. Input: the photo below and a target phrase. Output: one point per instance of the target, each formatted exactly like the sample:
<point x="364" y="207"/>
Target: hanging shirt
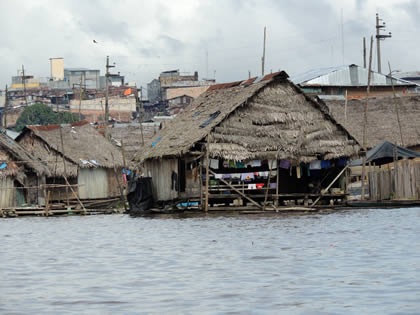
<point x="284" y="164"/>
<point x="260" y="186"/>
<point x="247" y="176"/>
<point x="252" y="186"/>
<point x="315" y="165"/>
<point x="256" y="163"/>
<point x="298" y="171"/>
<point x="214" y="164"/>
<point x="240" y="165"/>
<point x="272" y="164"/>
<point x="263" y="174"/>
<point x="325" y="164"/>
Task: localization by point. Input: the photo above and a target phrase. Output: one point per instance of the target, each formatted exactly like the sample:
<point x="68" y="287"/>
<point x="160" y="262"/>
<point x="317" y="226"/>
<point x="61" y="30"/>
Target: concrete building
<point x="57" y="69"/>
<point x="120" y="108"/>
<point x="154" y="93"/>
<point x="167" y="79"/>
<point x="90" y="77"/>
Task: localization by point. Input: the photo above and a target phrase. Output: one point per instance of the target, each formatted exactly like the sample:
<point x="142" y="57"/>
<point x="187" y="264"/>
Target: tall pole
<point x="5" y="109"/>
<point x="379" y="37"/>
<point x="263" y="56"/>
<point x="364" y="52"/>
<point x="107" y="75"/>
<point x="24" y="85"/>
<point x="342" y="36"/>
<point x="396" y="104"/>
<point x="80" y="98"/>
<point x="366" y="121"/>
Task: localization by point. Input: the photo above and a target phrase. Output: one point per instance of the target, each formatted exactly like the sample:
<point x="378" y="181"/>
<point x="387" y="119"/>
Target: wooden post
<point x="332" y="183"/>
<point x="201" y="182"/>
<point x="207" y="173"/>
<point x="278" y="183"/>
<point x="63" y="154"/>
<point x="345" y="110"/>
<point x="80" y="98"/>
<point x="5" y="109"/>
<point x="396" y="104"/>
<point x="268" y="184"/>
<point x="395" y="173"/>
<point x="47" y="203"/>
<point x="366" y="121"/>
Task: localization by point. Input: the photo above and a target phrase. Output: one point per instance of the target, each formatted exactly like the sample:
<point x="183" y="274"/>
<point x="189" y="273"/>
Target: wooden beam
<point x="332" y="183"/>
<point x="207" y="173"/>
<point x="238" y="191"/>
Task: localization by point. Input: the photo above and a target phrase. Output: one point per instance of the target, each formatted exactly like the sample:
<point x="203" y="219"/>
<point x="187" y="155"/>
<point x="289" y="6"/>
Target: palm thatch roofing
<point x="14" y="156"/>
<point x="258" y="118"/>
<point x="84" y="147"/>
<point x="131" y="136"/>
<point x="382" y="119"/>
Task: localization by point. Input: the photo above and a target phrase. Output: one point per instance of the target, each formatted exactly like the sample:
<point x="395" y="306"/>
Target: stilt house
<point x="79" y="153"/>
<point x="19" y="169"/>
<point x="265" y="139"/>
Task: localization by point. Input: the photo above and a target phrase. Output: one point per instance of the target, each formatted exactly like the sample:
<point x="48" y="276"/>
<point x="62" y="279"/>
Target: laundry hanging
<point x="214" y="164"/>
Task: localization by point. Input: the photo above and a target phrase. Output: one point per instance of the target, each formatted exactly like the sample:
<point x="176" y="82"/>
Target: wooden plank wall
<point x="401" y="183"/>
<point x="7" y="196"/>
<point x="161" y="173"/>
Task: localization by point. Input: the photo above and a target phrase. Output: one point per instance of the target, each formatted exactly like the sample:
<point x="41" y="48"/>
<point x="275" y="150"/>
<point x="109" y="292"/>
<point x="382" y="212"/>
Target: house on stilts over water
<point x="78" y="155"/>
<point x="20" y="169"/>
<point x="264" y="143"/>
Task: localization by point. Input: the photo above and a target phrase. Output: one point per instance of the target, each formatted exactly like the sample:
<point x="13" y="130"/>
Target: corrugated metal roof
<point x="348" y="75"/>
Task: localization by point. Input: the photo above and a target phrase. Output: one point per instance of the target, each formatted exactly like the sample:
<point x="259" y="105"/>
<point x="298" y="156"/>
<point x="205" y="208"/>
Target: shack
<point x="259" y="141"/>
<point x="80" y="160"/>
<point x="19" y="169"/>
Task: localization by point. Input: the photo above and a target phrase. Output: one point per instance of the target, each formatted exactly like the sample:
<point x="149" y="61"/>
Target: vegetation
<point x="41" y="114"/>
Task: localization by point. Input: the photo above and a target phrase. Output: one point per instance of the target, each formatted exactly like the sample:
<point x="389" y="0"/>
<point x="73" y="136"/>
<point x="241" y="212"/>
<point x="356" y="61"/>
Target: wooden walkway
<point x="91" y="207"/>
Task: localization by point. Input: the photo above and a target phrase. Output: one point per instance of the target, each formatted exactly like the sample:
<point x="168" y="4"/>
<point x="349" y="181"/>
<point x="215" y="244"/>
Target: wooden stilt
<point x="47" y="203"/>
<point x="200" y="170"/>
<point x="207" y="173"/>
<point x="332" y="183"/>
<point x="270" y="167"/>
<point x="366" y="122"/>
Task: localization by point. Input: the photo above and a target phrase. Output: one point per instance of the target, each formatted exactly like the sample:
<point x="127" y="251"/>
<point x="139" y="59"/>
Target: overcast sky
<point x="144" y="38"/>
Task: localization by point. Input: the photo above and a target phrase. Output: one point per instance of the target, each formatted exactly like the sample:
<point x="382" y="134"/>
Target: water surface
<point x="354" y="262"/>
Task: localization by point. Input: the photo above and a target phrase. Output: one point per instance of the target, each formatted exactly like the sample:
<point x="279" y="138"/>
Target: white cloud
<point x="146" y="37"/>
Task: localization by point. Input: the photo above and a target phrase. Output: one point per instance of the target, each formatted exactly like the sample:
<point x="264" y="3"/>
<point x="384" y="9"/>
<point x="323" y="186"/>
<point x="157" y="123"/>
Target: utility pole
<point x="80" y="97"/>
<point x="5" y="109"/>
<point x="263" y="56"/>
<point x="396" y="104"/>
<point x="380" y="37"/>
<point x="364" y="52"/>
<point x="107" y="75"/>
<point x="365" y="119"/>
<point x="24" y="85"/>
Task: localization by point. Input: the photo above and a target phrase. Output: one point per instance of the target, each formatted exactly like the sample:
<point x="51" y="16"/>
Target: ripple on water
<point x="359" y="261"/>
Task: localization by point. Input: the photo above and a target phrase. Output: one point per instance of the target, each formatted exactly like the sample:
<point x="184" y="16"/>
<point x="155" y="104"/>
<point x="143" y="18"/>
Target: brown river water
<point x="353" y="262"/>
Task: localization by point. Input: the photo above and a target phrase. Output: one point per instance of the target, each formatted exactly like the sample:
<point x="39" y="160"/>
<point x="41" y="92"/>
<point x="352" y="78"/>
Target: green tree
<point x="41" y="114"/>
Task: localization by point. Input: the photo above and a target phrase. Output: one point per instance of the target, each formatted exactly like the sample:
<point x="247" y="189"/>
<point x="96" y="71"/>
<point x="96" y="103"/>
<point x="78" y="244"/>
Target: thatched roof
<point x="14" y="155"/>
<point x="258" y="118"/>
<point x="382" y="119"/>
<point x="131" y="135"/>
<point x="84" y="147"/>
